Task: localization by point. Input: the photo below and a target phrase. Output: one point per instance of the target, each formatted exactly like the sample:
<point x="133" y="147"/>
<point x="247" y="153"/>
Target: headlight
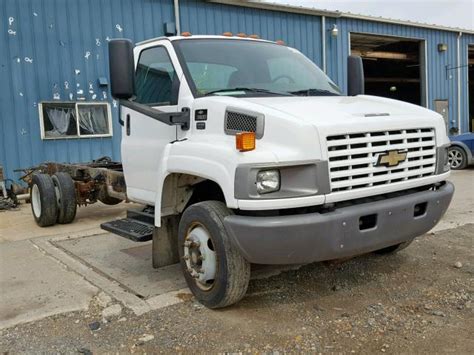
<point x="446" y="165"/>
<point x="446" y="158"/>
<point x="442" y="160"/>
<point x="268" y="181"/>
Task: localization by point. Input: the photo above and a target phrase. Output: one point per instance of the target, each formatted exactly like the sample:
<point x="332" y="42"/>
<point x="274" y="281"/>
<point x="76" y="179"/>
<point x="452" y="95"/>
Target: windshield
<point x="243" y="68"/>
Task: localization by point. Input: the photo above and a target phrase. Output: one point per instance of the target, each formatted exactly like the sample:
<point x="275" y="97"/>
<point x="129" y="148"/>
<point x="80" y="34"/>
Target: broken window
<point x="59" y="120"/>
<point x="93" y="119"/>
<point x="74" y="120"/>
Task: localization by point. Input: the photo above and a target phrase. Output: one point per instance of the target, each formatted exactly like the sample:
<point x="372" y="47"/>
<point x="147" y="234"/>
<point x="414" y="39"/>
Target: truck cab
<point x="249" y="153"/>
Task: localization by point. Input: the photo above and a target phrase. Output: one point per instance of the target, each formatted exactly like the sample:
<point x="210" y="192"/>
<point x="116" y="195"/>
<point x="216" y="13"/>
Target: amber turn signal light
<point x="245" y="141"/>
<point x="186" y="34"/>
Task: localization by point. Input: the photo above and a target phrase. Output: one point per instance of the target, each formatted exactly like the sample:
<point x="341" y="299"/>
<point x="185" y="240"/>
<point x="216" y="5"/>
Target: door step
<point x="130" y="228"/>
<point x="146" y="215"/>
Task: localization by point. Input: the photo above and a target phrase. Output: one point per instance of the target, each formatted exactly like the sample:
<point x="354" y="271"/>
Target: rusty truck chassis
<point x="95" y="181"/>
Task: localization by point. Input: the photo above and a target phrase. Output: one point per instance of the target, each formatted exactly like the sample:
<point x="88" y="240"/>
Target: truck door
<point x="144" y="139"/>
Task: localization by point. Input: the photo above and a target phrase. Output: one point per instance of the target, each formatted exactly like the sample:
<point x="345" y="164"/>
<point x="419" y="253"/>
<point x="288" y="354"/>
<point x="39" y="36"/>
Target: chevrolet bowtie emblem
<point x="391" y="158"/>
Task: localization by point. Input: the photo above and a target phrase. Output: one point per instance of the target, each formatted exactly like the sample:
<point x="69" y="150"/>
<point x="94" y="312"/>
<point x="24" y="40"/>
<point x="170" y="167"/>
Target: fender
<point x="201" y="167"/>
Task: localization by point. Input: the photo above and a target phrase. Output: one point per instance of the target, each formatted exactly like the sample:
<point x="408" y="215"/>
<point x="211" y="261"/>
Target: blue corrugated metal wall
<point x="57" y="35"/>
<point x="304" y="33"/>
<point x="42" y="45"/>
<point x="300" y="31"/>
<point x="440" y="86"/>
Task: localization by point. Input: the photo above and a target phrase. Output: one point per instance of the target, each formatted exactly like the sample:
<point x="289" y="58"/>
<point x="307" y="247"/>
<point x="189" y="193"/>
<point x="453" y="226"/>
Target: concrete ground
<point x="63" y="269"/>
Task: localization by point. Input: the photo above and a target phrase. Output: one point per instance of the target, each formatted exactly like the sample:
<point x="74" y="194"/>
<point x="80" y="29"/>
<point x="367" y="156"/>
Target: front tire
<point x="215" y="271"/>
<point x="457" y="158"/>
<point x="43" y="200"/>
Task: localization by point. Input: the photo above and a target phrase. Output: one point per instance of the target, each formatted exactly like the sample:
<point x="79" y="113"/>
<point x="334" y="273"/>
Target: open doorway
<point x="393" y="66"/>
<point x="470" y="61"/>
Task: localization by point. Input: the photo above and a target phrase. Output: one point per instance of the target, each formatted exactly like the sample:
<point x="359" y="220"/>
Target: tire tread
<point x="68" y="206"/>
<point x="237" y="273"/>
<point x="49" y="208"/>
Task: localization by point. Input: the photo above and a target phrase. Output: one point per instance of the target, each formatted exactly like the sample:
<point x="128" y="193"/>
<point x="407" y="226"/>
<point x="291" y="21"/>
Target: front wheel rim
<point x="36" y="200"/>
<point x="455" y="158"/>
<point x="200" y="257"/>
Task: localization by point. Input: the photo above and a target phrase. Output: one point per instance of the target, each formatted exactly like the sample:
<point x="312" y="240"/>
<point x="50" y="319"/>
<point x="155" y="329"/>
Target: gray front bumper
<point x="305" y="238"/>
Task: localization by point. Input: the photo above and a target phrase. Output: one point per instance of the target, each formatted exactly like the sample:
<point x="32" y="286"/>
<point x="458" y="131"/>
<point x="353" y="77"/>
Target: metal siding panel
<point x="438" y="86"/>
<point x="332" y="59"/>
<point x="8" y="123"/>
<point x="207" y="18"/>
<point x="57" y="39"/>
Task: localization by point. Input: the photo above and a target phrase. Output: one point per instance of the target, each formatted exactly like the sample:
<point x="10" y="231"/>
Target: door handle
<point x="127" y="124"/>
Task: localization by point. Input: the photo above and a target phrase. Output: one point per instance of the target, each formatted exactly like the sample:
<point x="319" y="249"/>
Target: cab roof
<point x="190" y="37"/>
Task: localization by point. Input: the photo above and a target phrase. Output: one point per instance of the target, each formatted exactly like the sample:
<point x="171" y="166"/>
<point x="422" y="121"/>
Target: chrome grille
<point x="352" y="157"/>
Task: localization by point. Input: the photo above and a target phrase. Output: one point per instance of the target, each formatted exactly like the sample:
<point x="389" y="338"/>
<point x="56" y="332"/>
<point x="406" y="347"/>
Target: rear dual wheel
<point x="53" y="199"/>
<point x="65" y="197"/>
<point x="43" y="200"/>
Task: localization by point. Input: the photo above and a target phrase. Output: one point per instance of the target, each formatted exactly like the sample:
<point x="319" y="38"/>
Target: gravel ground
<point x="417" y="301"/>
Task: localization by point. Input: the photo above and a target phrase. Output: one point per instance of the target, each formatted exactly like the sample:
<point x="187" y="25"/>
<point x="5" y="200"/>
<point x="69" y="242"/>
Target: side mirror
<point x="355" y="76"/>
<point x="122" y="68"/>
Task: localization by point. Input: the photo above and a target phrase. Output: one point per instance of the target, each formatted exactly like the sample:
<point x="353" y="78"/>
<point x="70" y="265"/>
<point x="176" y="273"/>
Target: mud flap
<point x="165" y="242"/>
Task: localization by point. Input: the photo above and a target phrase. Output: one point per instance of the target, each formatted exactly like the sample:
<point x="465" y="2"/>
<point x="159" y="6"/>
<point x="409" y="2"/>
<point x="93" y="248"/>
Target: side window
<point x="154" y="78"/>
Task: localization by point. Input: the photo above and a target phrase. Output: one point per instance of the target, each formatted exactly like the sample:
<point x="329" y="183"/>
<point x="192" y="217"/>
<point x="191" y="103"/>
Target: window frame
<point x="175" y="84"/>
<point x="79" y="135"/>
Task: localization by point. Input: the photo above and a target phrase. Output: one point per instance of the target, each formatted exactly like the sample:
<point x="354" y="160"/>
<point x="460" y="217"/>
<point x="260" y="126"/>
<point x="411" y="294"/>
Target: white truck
<point x="246" y="152"/>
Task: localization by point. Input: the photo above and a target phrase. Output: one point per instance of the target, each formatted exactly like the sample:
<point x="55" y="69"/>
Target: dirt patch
<point x="184" y="296"/>
<point x="416" y="301"/>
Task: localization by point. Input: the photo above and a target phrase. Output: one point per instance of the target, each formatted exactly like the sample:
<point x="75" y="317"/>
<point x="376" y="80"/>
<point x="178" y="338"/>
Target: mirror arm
<point x="182" y="118"/>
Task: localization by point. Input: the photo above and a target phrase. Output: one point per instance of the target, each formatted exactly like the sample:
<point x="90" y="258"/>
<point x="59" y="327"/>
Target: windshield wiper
<point x="264" y="91"/>
<point x="314" y="92"/>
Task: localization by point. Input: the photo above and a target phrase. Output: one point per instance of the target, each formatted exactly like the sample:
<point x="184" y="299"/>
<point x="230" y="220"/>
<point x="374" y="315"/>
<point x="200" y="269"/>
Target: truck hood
<point x="332" y="110"/>
<point x="332" y="115"/>
<point x="348" y="114"/>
